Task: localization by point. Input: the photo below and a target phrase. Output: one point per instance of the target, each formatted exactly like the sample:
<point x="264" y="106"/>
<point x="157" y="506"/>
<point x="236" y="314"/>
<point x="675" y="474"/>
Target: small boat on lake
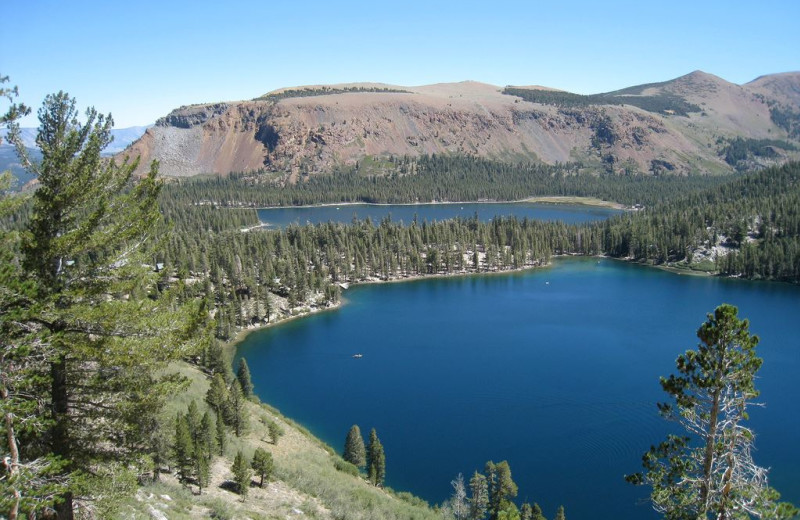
<point x="358" y="356"/>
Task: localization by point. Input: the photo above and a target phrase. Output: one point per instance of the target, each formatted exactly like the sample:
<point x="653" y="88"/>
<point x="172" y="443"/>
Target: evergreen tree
<point x="560" y="513"/>
<point x="202" y="469"/>
<point x="83" y="255"/>
<point x="208" y="441"/>
<point x="501" y="488"/>
<point x="236" y="408"/>
<point x="193" y="423"/>
<point x="220" y="433"/>
<point x="215" y="359"/>
<point x="242" y="474"/>
<point x="714" y="385"/>
<point x="183" y="449"/>
<point x="217" y="396"/>
<point x="376" y="460"/>
<point x="275" y="432"/>
<point x="479" y="501"/>
<point x="354" y="450"/>
<point x="526" y="512"/>
<point x="536" y="512"/>
<point x="22" y="474"/>
<point x="262" y="464"/>
<point x="160" y="449"/>
<point x="243" y="375"/>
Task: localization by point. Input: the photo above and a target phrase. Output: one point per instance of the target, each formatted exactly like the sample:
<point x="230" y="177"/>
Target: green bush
<point x="345" y="467"/>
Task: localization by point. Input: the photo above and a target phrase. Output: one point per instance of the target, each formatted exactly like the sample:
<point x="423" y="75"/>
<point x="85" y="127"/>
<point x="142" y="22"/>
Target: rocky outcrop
<point x="311" y="134"/>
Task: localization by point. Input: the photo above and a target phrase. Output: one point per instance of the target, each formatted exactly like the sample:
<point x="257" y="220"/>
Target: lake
<point x="555" y="370"/>
<point x="569" y="213"/>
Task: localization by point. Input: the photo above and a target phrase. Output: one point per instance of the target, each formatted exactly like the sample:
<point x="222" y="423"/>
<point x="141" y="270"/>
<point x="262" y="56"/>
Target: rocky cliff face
<point x="310" y="130"/>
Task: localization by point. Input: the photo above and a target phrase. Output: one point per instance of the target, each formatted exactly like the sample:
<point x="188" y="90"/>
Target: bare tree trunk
<point x="708" y="458"/>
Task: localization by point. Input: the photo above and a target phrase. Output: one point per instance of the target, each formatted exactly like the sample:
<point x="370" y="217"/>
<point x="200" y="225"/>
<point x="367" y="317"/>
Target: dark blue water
<point x="555" y="370"/>
<point x="571" y="214"/>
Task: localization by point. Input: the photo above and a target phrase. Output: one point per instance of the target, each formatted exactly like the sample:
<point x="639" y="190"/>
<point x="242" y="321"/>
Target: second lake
<point x="569" y="213"/>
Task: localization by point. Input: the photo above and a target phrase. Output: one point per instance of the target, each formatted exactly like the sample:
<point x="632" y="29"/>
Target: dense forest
<point x="751" y="224"/>
<point x="663" y="103"/>
<point x="436" y="178"/>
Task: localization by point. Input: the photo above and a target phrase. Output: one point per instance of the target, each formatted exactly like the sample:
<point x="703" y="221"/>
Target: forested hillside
<point x="435" y="178"/>
<point x="745" y="226"/>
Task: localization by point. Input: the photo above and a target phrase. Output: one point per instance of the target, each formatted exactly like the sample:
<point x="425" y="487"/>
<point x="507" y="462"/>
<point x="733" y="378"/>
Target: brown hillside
<point x="313" y="134"/>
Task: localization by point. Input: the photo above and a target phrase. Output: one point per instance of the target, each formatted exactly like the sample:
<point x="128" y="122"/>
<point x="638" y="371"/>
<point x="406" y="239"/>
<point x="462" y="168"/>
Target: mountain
<point x="681" y="126"/>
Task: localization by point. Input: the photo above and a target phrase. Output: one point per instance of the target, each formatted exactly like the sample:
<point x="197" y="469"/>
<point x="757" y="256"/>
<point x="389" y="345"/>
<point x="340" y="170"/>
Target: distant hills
<point x="683" y="126"/>
<point x="123" y="137"/>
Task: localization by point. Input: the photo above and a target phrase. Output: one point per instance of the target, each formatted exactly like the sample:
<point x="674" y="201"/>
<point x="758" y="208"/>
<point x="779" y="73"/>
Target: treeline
<point x="786" y="118"/>
<point x="662" y="103"/>
<point x="491" y="493"/>
<point x="739" y="150"/>
<point x="439" y="178"/>
<point x="257" y="276"/>
<point x="755" y="219"/>
<point x="324" y="91"/>
<point x="750" y="222"/>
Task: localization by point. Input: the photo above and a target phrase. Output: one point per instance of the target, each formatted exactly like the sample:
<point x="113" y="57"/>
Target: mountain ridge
<point x="293" y="132"/>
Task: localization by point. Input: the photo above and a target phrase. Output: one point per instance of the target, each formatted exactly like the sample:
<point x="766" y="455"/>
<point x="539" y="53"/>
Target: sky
<point x="139" y="60"/>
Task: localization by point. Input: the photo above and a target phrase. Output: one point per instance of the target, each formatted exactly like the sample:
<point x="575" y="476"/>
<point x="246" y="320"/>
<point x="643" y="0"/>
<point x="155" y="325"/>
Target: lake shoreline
<point x="554" y="200"/>
<point x="230" y="346"/>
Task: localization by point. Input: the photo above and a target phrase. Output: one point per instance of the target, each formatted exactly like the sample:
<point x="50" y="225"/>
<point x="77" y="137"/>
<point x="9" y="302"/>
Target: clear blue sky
<point x="139" y="60"/>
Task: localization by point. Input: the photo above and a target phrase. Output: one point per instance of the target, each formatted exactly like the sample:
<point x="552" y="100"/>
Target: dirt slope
<point x="290" y="133"/>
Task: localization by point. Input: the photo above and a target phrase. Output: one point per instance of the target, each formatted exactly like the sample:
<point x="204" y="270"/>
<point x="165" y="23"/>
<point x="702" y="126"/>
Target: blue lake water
<point x="555" y="370"/>
<point x="571" y="214"/>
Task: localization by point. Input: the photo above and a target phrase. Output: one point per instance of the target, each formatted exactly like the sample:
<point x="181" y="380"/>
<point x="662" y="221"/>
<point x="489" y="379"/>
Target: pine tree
<point x="275" y="432"/>
<point x="19" y="492"/>
<point x="243" y="375"/>
<point x="193" y="422"/>
<point x="262" y="464"/>
<point x="182" y="448"/>
<point x="202" y="469"/>
<point x="220" y="433"/>
<point x="242" y="474"/>
<point x="479" y="501"/>
<point x="215" y="358"/>
<point x="208" y="441"/>
<point x="718" y="478"/>
<point x="560" y="513"/>
<point x="218" y="395"/>
<point x="354" y="450"/>
<point x="236" y="408"/>
<point x="83" y="255"/>
<point x="376" y="460"/>
<point x="501" y="488"/>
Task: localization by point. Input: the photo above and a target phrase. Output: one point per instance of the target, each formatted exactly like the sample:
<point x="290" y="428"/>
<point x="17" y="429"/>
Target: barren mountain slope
<point x="785" y="87"/>
<point x="308" y="130"/>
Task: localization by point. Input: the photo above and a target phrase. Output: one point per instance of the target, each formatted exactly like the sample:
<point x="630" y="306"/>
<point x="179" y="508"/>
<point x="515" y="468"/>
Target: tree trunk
<point x="60" y="431"/>
<point x="708" y="459"/>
